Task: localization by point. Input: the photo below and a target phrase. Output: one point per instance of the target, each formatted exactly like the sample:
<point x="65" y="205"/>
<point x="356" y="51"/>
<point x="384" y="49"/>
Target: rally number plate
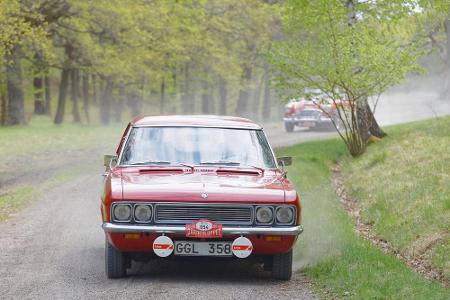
<point x="192" y="248"/>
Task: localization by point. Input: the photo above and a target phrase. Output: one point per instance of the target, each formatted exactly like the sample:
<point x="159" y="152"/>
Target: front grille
<point x="186" y="213"/>
<point x="309" y="113"/>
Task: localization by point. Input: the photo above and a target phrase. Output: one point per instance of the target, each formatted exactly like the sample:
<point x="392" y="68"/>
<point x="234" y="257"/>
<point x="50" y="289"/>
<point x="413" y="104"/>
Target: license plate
<point x="191" y="248"/>
<point x="308" y="124"/>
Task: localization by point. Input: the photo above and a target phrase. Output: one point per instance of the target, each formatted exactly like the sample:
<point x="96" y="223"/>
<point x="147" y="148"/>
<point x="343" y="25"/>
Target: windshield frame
<point x="125" y="143"/>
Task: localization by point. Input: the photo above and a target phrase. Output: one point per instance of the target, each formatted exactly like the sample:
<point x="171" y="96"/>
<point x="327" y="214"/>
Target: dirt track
<point x="54" y="250"/>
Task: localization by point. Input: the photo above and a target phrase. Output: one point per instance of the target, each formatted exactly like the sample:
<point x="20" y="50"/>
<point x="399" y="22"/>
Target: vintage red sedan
<point x="203" y="186"/>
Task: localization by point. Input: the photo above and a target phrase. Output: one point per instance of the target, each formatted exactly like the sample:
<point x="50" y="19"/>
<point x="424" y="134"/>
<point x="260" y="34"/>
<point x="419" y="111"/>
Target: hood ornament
<point x="204" y="195"/>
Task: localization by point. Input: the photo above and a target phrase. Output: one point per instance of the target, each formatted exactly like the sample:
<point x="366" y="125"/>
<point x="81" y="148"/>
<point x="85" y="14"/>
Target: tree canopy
<point x="350" y="50"/>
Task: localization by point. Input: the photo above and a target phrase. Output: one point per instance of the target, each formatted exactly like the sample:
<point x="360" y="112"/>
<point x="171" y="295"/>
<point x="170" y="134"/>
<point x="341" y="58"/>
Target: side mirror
<point x="110" y="161"/>
<point x="284" y="161"/>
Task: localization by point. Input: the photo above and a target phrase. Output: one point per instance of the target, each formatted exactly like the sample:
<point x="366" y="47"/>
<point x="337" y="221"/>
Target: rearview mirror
<point x="110" y="161"/>
<point x="284" y="161"/>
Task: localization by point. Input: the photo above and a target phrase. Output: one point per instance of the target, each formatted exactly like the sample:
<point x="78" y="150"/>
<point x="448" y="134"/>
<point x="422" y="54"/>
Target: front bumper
<point x="130" y="228"/>
<point x="298" y="120"/>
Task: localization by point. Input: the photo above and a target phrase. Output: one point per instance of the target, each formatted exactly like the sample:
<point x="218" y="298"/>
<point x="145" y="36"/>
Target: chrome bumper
<point x="131" y="228"/>
<point x="298" y="120"/>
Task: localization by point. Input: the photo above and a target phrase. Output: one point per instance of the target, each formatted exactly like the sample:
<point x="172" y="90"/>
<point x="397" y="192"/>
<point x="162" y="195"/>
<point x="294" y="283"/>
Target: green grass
<point x="14" y="199"/>
<point x="339" y="262"/>
<point x="42" y="136"/>
<point x="26" y="148"/>
<point x="406" y="194"/>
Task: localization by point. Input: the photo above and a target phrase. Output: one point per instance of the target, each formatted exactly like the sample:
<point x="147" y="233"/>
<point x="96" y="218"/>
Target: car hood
<point x="206" y="185"/>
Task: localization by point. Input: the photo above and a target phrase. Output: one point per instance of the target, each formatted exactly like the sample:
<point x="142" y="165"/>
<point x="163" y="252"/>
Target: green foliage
<point x="322" y="51"/>
<point x="137" y="44"/>
<point x="349" y="50"/>
<point x="21" y="28"/>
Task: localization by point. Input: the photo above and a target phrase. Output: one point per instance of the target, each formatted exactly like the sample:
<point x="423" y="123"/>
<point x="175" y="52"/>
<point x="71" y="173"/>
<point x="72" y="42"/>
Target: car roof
<point x="195" y="121"/>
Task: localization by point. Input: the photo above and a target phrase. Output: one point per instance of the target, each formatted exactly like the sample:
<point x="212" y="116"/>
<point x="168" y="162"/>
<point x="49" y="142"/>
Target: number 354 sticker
<point x="204" y="228"/>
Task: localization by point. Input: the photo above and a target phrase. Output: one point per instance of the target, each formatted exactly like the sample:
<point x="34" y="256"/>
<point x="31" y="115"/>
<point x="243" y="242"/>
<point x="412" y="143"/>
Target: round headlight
<point x="285" y="215"/>
<point x="142" y="213"/>
<point x="122" y="212"/>
<point x="264" y="214"/>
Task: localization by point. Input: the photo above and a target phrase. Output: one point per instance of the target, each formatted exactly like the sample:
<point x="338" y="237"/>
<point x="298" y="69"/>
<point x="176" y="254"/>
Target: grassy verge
<point x="37" y="157"/>
<point x="403" y="187"/>
<point x="342" y="264"/>
<point x="41" y="135"/>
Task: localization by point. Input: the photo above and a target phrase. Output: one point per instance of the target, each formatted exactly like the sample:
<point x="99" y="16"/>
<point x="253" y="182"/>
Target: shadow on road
<point x="185" y="270"/>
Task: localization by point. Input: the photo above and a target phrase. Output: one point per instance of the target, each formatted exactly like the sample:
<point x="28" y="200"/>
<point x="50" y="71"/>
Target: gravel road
<point x="53" y="249"/>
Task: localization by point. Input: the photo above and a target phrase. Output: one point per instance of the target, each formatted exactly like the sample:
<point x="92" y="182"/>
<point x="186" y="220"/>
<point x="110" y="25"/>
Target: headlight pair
<point x="124" y="212"/>
<point x="284" y="215"/>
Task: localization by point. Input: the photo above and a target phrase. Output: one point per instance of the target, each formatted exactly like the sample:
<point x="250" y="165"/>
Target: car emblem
<point x="204" y="195"/>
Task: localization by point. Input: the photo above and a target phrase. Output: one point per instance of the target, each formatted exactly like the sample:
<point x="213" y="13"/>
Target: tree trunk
<point x="39" y="108"/>
<point x="367" y="123"/>
<point x="447" y="81"/>
<point x="162" y="96"/>
<point x="374" y="128"/>
<point x="74" y="95"/>
<point x="63" y="85"/>
<point x="241" y="107"/>
<point x="187" y="103"/>
<point x="16" y="102"/>
<point x="363" y="120"/>
<point x="206" y="99"/>
<point x="118" y="104"/>
<point x="256" y="100"/>
<point x="223" y="94"/>
<point x="266" y="100"/>
<point x="3" y="107"/>
<point x="105" y="103"/>
<point x="94" y="89"/>
<point x="242" y="104"/>
<point x="85" y="87"/>
<point x="48" y="99"/>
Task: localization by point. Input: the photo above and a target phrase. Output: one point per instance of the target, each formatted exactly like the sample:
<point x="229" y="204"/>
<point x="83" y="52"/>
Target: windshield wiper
<point x="161" y="162"/>
<point x="221" y="162"/>
<point x="151" y="162"/>
<point x="185" y="165"/>
<point x="254" y="167"/>
<point x="231" y="163"/>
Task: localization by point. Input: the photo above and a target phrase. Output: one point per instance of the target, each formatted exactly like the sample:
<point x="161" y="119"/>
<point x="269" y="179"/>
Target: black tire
<point x="268" y="263"/>
<point x="289" y="126"/>
<point x="115" y="262"/>
<point x="282" y="266"/>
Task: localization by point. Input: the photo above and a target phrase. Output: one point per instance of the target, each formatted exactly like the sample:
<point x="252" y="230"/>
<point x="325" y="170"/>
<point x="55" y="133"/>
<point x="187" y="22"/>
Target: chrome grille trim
<point x="184" y="213"/>
<point x="309" y="113"/>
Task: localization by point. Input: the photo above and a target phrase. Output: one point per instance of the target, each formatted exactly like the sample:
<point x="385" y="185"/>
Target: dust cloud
<point x="420" y="97"/>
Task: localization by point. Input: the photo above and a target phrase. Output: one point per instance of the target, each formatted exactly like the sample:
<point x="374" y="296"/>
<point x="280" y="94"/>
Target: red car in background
<point x="319" y="112"/>
<point x="202" y="186"/>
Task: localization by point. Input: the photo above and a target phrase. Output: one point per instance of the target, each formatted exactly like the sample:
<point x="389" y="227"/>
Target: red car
<point x="204" y="186"/>
<point x="311" y="114"/>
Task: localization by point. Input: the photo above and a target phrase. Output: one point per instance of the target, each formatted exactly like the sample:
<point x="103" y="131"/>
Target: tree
<point x="349" y="50"/>
<point x="22" y="30"/>
<point x="188" y="52"/>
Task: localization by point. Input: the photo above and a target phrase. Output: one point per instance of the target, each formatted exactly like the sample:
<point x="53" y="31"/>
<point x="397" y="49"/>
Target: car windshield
<point x="197" y="146"/>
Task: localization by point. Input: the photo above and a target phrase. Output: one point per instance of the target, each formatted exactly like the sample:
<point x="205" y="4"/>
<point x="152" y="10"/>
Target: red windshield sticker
<point x="204" y="229"/>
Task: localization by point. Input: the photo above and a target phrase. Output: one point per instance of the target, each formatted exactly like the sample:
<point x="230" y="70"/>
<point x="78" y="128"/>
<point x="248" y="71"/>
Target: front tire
<point x="289" y="126"/>
<point x="282" y="266"/>
<point x="115" y="262"/>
